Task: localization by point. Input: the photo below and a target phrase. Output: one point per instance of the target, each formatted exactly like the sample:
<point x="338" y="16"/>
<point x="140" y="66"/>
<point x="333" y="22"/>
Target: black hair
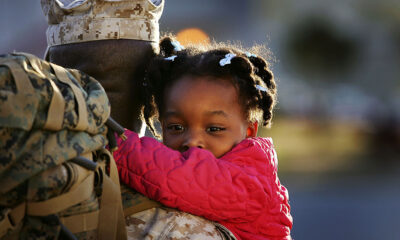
<point x="249" y="74"/>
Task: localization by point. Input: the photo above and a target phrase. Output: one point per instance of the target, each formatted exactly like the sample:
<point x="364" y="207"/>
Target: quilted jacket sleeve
<point x="236" y="187"/>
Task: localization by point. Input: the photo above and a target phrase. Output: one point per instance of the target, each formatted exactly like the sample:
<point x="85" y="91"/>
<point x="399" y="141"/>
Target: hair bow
<point x="177" y="46"/>
<point x="248" y="54"/>
<point x="172" y="58"/>
<point x="261" y="88"/>
<point x="227" y="59"/>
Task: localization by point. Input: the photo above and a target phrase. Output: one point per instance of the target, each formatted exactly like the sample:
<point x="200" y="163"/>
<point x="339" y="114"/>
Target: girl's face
<point x="204" y="112"/>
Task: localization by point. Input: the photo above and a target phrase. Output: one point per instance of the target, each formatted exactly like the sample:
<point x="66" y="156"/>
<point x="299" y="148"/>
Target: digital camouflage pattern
<point x="90" y="20"/>
<point x="150" y="220"/>
<point x="34" y="155"/>
<point x="167" y="223"/>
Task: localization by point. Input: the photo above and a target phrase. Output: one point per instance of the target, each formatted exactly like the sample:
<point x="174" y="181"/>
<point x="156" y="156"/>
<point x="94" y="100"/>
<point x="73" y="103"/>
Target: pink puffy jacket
<point x="240" y="190"/>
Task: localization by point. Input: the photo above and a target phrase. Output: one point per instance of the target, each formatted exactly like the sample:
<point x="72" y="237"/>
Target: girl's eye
<point x="175" y="128"/>
<point x="215" y="129"/>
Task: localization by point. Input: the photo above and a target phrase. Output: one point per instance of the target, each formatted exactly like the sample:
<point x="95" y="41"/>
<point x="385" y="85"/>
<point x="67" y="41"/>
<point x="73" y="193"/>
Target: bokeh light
<point x="192" y="36"/>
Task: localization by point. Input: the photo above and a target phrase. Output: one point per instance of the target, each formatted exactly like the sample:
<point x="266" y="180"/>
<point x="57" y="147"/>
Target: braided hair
<point x="249" y="74"/>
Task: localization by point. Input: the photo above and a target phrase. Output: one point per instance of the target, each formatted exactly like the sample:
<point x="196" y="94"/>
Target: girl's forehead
<point x="199" y="100"/>
<point x="202" y="87"/>
<point x="203" y="82"/>
<point x="206" y="93"/>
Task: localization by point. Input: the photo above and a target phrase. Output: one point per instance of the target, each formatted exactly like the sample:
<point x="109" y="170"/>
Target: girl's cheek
<point x="171" y="142"/>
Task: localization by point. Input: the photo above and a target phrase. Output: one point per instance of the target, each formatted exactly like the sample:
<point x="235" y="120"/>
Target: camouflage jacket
<point x="50" y="117"/>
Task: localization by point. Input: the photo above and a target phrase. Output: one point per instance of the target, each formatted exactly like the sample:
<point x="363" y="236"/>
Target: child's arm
<point x="238" y="186"/>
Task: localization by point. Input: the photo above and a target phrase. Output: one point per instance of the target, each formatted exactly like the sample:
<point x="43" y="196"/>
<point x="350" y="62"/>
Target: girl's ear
<point x="252" y="129"/>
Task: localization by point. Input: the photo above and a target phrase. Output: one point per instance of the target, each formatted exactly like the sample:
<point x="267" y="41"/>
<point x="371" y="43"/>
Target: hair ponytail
<point x="267" y="99"/>
<point x="166" y="47"/>
<point x="261" y="70"/>
<point x="154" y="81"/>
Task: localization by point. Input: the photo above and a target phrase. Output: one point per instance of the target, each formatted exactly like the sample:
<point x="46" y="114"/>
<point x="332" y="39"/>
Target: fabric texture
<point x="72" y="21"/>
<point x="167" y="223"/>
<point x="50" y="116"/>
<point x="240" y="190"/>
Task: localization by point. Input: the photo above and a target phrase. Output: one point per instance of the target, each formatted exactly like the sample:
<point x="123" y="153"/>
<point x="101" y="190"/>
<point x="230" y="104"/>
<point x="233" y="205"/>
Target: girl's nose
<point x="193" y="140"/>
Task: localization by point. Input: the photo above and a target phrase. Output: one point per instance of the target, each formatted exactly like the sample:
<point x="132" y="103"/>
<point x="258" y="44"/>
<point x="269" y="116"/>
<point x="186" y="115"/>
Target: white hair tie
<point x="250" y="54"/>
<point x="177" y="46"/>
<point x="227" y="59"/>
<point x="261" y="88"/>
<point x="172" y="58"/>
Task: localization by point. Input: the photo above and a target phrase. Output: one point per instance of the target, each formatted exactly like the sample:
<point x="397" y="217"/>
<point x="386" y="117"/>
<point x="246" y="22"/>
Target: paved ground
<point x="365" y="207"/>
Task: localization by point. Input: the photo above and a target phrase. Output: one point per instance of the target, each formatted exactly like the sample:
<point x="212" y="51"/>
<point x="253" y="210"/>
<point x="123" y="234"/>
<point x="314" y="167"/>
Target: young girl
<point x="211" y="163"/>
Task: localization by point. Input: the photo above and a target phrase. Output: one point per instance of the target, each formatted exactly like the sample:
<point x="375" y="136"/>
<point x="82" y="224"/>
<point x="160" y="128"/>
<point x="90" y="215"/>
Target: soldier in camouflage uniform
<point x="113" y="40"/>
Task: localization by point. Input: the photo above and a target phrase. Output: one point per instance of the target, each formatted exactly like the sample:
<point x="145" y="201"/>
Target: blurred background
<point x="337" y="124"/>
